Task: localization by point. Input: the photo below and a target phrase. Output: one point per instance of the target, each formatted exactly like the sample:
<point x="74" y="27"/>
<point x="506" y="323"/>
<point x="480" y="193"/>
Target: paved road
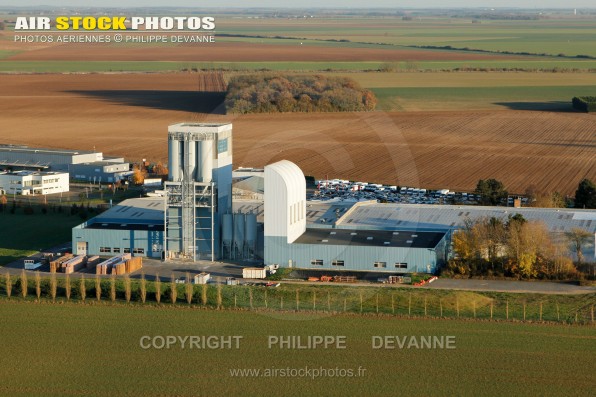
<point x="220" y="270"/>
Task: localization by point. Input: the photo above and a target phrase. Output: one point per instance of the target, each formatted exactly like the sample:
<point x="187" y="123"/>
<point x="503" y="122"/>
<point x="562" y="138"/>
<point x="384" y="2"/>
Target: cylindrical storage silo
<point x="251" y="230"/>
<point x="191" y="158"/>
<point x="173" y="159"/>
<point x="227" y="229"/>
<point x="207" y="161"/>
<point x="239" y="230"/>
<point x="180" y="160"/>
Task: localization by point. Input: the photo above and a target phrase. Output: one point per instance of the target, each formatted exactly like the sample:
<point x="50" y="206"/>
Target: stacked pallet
<point x="134" y="264"/>
<point x="344" y="279"/>
<point x="56" y="265"/>
<point x="102" y="268"/>
<point x="119" y="269"/>
<point x="74" y="264"/>
<point x="92" y="261"/>
<point x="106" y="267"/>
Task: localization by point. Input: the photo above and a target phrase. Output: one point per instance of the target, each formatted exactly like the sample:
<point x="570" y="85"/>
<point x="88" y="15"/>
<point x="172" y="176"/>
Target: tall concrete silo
<point x="199" y="190"/>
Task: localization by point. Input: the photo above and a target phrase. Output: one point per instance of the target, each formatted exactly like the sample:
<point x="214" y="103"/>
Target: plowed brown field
<point x="128" y="114"/>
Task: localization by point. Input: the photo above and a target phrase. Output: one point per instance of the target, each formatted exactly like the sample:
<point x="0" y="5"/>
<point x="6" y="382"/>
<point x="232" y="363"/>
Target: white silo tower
<point x="199" y="189"/>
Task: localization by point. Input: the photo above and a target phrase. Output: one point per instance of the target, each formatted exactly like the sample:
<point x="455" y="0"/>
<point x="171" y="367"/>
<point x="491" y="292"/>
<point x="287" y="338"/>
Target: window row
<point x="321" y="262"/>
<point x="116" y="250"/>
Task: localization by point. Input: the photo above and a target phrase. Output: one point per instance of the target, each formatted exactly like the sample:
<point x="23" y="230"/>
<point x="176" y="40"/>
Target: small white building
<point x="152" y="182"/>
<point x="202" y="278"/>
<point x="254" y="272"/>
<point x="33" y="182"/>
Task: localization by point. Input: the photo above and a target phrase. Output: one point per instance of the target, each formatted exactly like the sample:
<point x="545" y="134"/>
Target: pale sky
<point x="310" y="3"/>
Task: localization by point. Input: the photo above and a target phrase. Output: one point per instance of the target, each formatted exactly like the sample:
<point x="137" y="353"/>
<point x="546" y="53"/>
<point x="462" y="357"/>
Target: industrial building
<point x="80" y="164"/>
<point x="33" y="182"/>
<point x="100" y="171"/>
<point x="198" y="219"/>
<point x="134" y="226"/>
<point x="289" y="242"/>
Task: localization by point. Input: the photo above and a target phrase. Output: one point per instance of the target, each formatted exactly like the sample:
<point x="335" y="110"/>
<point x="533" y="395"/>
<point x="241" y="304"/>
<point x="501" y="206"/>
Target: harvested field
<point x="212" y="82"/>
<point x="451" y="150"/>
<point x="128" y="115"/>
<point x="229" y="52"/>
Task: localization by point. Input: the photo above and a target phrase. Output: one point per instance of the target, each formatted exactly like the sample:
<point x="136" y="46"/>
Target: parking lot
<point x="343" y="190"/>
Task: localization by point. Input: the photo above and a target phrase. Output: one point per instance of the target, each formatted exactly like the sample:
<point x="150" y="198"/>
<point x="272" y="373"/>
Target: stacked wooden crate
<point x="106" y="267"/>
<point x="92" y="261"/>
<point x="134" y="264"/>
<point x="56" y="265"/>
<point x="74" y="264"/>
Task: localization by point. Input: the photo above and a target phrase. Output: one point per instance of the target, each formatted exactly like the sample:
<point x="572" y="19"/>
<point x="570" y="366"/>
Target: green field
<point x="94" y="350"/>
<point x="165" y="66"/>
<point x="456" y="98"/>
<point x="551" y="36"/>
<point x="399" y="91"/>
<point x="23" y="234"/>
<point x="5" y="53"/>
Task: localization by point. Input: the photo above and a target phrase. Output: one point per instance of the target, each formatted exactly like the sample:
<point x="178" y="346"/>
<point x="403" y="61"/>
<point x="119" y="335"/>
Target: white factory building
<point x="88" y="166"/>
<point x="33" y="182"/>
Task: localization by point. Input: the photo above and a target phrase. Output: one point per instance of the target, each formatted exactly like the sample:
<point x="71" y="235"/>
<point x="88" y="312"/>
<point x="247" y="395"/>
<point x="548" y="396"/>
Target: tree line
<point x="493" y="192"/>
<point x="379" y="301"/>
<point x="585" y="104"/>
<point x="272" y="93"/>
<point x="516" y="248"/>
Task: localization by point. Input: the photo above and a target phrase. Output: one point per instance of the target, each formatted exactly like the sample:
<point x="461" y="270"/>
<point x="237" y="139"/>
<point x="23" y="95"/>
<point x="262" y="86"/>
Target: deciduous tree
<point x="491" y="191"/>
<point x="578" y="238"/>
<point x="585" y="195"/>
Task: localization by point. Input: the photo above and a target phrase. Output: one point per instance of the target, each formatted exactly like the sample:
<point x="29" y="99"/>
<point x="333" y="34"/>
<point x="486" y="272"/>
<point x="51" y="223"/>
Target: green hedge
<point x="585" y="103"/>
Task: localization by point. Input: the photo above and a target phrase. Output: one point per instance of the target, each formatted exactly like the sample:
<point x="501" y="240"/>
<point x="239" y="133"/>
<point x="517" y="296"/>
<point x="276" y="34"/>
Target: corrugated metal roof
<point x="420" y="216"/>
<point x="378" y="238"/>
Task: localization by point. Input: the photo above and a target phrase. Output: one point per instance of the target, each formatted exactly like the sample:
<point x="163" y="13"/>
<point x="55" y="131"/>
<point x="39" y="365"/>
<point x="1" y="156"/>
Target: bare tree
<point x="24" y="284"/>
<point x="173" y="289"/>
<point x="143" y="288"/>
<point x="578" y="238"/>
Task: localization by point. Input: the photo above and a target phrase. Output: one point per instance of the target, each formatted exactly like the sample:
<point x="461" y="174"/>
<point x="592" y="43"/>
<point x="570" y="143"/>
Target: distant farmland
<point x="432" y="129"/>
<point x="330" y="44"/>
<point x="552" y="150"/>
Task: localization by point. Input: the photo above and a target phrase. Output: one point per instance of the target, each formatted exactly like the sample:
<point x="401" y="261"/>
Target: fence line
<point x="367" y="300"/>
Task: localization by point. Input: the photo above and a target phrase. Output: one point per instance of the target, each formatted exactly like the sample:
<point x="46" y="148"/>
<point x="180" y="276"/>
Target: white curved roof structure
<point x="285" y="205"/>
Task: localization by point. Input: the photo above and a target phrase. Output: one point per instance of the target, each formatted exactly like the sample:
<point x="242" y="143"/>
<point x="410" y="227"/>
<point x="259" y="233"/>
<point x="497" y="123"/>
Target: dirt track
<point x="128" y="115"/>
